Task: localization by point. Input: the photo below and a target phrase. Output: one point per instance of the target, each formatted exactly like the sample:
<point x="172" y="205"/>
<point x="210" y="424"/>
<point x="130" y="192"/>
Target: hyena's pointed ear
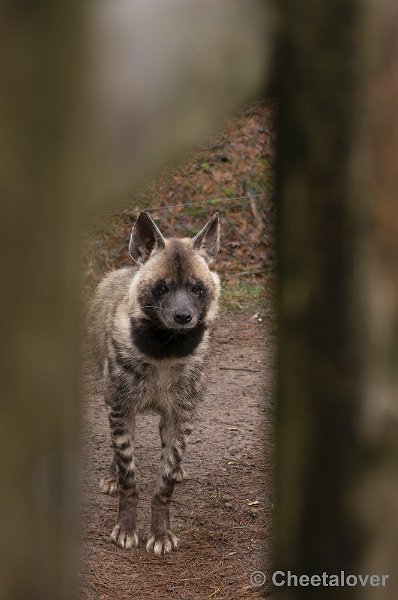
<point x="145" y="237"/>
<point x="207" y="241"/>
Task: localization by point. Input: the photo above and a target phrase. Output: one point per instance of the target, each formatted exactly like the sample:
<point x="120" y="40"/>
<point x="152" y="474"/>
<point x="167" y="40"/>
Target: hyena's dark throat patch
<point x="159" y="342"/>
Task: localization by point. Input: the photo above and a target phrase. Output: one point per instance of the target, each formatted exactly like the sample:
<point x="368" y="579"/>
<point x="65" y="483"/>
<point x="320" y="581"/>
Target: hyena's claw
<point x="109" y="484"/>
<point x="179" y="475"/>
<point x="162" y="545"/>
<point x="123" y="539"/>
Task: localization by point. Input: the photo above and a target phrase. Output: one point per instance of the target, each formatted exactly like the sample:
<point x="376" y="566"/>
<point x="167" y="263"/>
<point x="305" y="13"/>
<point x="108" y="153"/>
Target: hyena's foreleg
<point x="122" y="426"/>
<point x="174" y="432"/>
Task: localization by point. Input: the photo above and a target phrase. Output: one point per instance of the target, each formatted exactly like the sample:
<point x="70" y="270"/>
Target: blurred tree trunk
<point x="39" y="249"/>
<point x="92" y="98"/>
<point x="338" y="293"/>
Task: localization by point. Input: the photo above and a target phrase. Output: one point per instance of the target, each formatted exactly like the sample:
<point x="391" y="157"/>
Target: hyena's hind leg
<point x="109" y="484"/>
<point x="179" y="473"/>
<point x="175" y="431"/>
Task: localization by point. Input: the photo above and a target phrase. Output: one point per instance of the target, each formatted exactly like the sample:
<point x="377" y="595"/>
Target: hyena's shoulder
<point x="111" y="293"/>
<point x="112" y="287"/>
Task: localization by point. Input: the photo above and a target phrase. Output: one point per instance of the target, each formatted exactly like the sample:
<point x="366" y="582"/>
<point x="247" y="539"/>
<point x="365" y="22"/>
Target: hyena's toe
<point x="162" y="545"/>
<point x="123" y="539"/>
<point x="109" y="484"/>
<point x="179" y="474"/>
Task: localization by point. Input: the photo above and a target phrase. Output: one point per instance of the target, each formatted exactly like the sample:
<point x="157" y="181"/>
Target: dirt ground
<point x="222" y="512"/>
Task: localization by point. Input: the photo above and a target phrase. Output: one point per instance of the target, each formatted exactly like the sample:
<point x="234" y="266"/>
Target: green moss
<point x="245" y="296"/>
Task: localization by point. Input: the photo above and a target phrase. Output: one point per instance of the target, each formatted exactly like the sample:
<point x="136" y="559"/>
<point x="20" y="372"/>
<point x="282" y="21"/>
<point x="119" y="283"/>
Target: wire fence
<point x="232" y="175"/>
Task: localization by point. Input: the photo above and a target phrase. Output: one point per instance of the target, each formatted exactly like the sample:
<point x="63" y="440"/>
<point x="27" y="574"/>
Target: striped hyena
<point x="148" y="334"/>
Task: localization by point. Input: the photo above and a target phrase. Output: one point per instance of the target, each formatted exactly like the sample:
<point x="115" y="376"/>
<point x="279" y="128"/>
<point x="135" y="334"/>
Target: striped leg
<point x="179" y="473"/>
<point x="109" y="484"/>
<point x="124" y="533"/>
<point x="173" y="435"/>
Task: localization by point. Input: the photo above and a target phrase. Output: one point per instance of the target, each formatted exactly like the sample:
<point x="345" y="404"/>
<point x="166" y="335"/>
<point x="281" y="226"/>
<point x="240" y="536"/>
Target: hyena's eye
<point x="160" y="290"/>
<point x="197" y="290"/>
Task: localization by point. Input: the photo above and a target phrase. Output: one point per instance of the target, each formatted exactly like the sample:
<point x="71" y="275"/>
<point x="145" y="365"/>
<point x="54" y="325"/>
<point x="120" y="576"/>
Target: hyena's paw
<point x="179" y="474"/>
<point x="163" y="544"/>
<point x="124" y="539"/>
<point x="109" y="484"/>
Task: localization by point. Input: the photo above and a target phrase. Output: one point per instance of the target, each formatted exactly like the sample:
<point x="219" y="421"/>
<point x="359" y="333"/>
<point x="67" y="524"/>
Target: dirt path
<point x="223" y="531"/>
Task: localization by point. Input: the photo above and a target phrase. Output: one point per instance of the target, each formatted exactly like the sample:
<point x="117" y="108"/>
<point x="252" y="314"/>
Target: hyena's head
<point x="174" y="286"/>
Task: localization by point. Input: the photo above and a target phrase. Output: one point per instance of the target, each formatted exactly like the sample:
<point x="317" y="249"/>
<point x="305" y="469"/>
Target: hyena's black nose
<point x="182" y="316"/>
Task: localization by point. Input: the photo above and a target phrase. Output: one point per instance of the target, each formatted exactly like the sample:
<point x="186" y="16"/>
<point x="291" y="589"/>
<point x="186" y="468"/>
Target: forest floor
<point x="222" y="512"/>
